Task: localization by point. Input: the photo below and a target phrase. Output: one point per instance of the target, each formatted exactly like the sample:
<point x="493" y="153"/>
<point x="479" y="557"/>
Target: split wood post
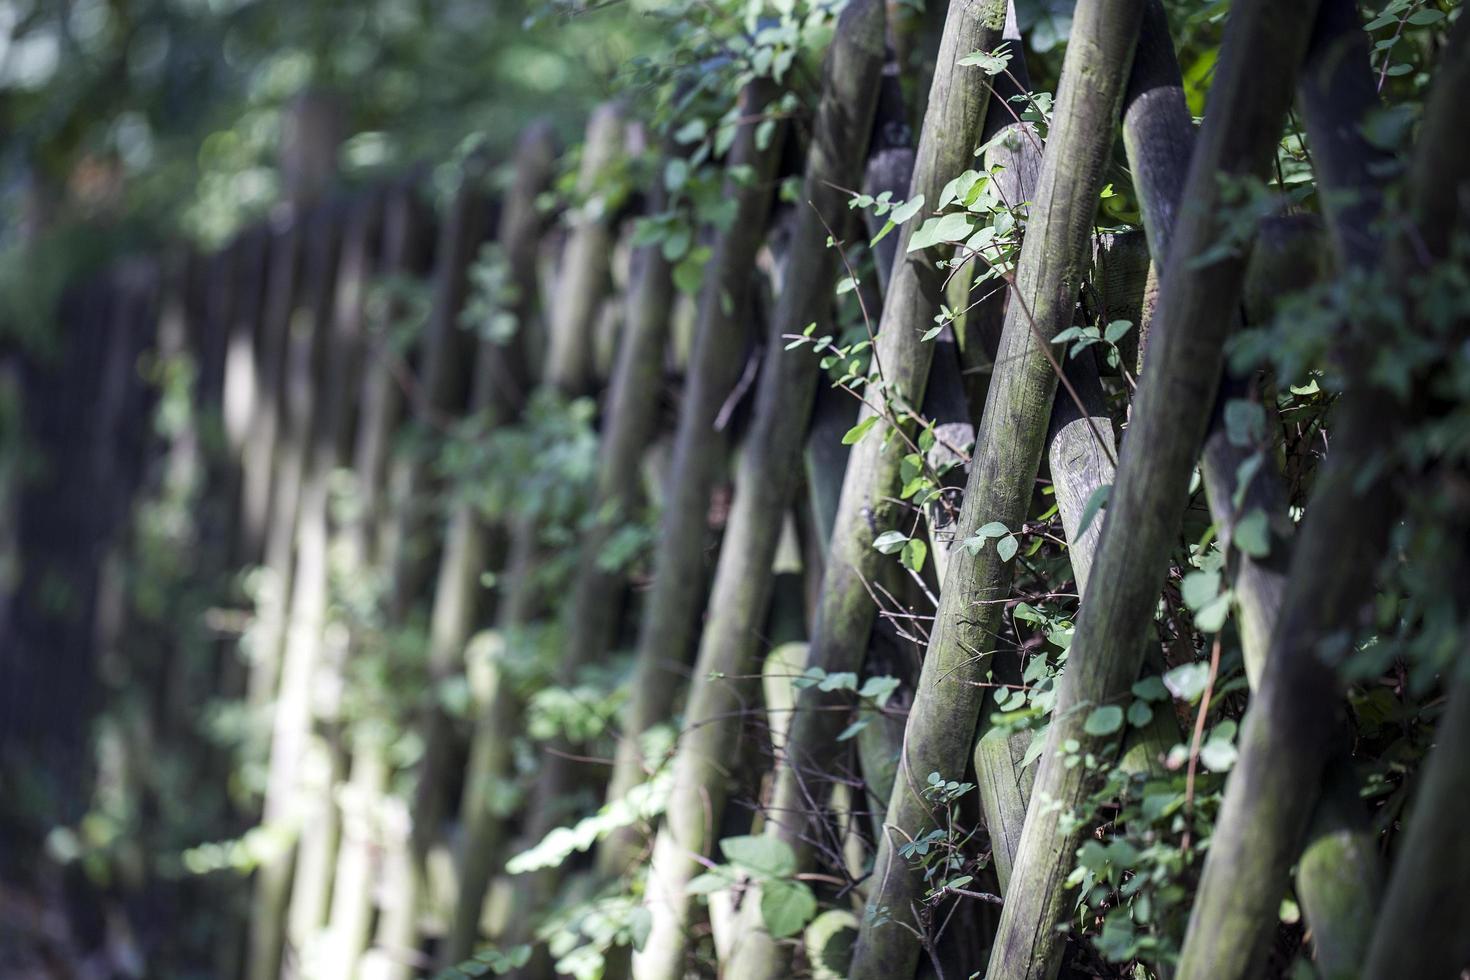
<point x="671" y="609"/>
<point x="499" y="387"/>
<point x="1054" y="257"/>
<point x="1170" y="414"/>
<point x="1338" y="876"/>
<point x="1291" y="731"/>
<point x="288" y="702"/>
<point x="764" y="487"/>
<point x="568" y="373"/>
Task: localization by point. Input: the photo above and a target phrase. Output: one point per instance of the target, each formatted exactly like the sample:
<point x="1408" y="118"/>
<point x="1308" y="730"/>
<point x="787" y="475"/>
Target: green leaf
<point x="842" y="680"/>
<point x="810" y="676"/>
<point x="995" y="529"/>
<point x="914" y="553"/>
<point x="1218" y="755"/>
<point x="1150" y="688"/>
<point x="691" y="132"/>
<point x="1092" y="856"/>
<point x="760" y="854"/>
<point x="1187" y="681"/>
<point x="1026" y="612"/>
<point x="878" y="689"/>
<point x="640" y="924"/>
<point x="1385" y="127"/>
<point x="948" y="194"/>
<point x="1244" y="474"/>
<point x="1245" y="422"/>
<point x="890" y="542"/>
<point x="959" y="188"/>
<point x="1104" y="721"/>
<point x="1199" y="588"/>
<point x="953" y="227"/>
<point x="724" y="136"/>
<point x="689" y="274"/>
<point x="676" y="245"/>
<point x="1161" y="803"/>
<point x="882" y="232"/>
<point x="764" y="130"/>
<point x="648" y="230"/>
<point x="711" y="881"/>
<point x="1210" y="618"/>
<point x="1034" y="749"/>
<point x="1252" y="534"/>
<point x="990" y="62"/>
<point x="1095" y="502"/>
<point x="1140" y="714"/>
<point x="846" y="285"/>
<point x="905" y="211"/>
<point x="1117" y="330"/>
<point x="786" y="907"/>
<point x="1006" y="547"/>
<point x="856" y="433"/>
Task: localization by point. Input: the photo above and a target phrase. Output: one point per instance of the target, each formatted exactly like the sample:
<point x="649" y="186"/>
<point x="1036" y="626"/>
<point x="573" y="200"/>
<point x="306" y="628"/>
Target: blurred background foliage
<point x="142" y="121"/>
<point x="147" y="119"/>
<point x="140" y="124"/>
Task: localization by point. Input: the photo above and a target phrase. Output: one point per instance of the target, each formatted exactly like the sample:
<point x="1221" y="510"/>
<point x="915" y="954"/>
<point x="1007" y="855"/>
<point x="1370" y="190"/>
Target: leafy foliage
<point x="191" y="152"/>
